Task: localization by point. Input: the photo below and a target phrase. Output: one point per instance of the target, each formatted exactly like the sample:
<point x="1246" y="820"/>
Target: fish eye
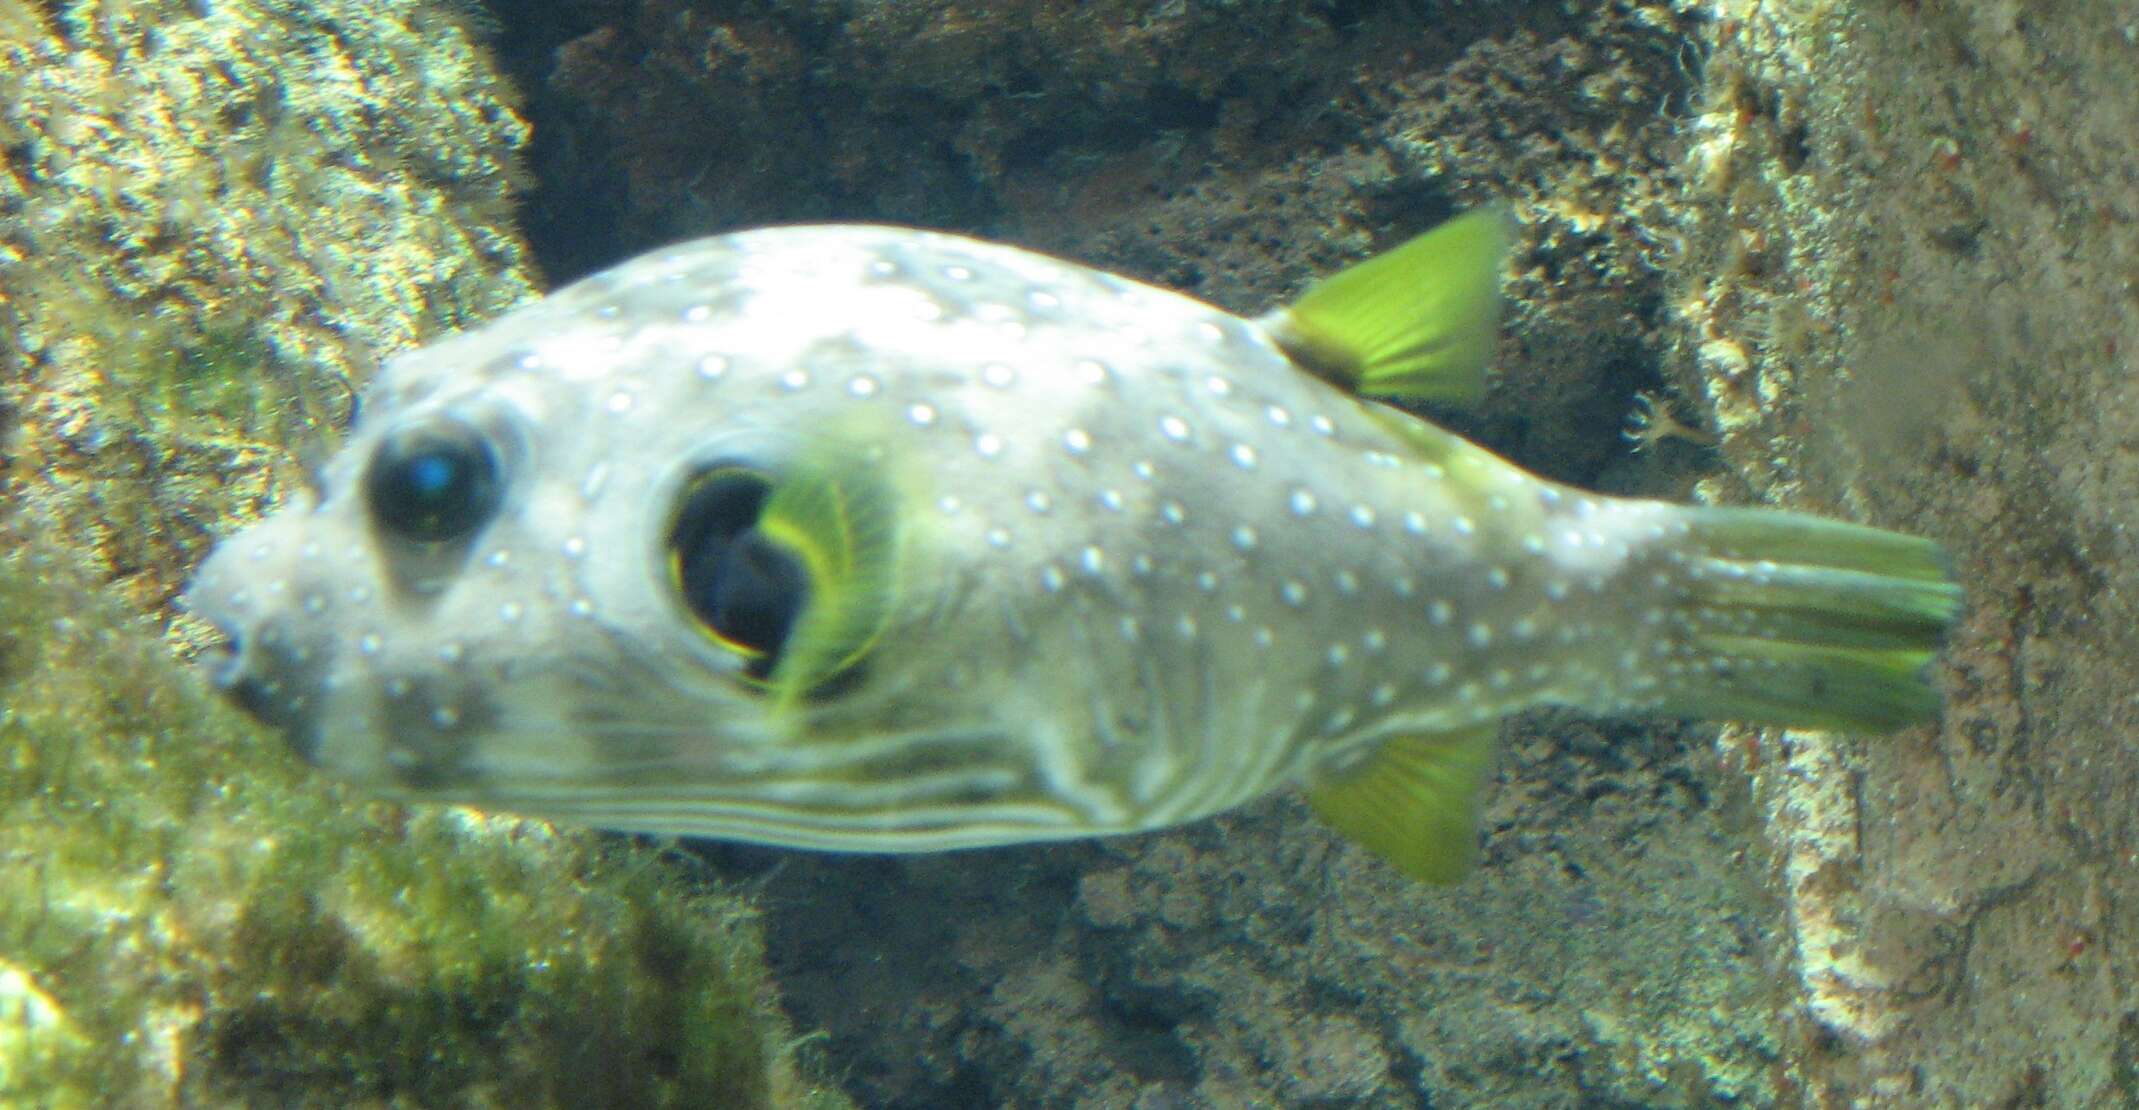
<point x="745" y="589"/>
<point x="433" y="483"/>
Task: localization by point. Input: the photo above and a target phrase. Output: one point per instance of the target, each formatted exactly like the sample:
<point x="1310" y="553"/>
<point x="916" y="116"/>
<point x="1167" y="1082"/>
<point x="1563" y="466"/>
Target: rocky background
<point x="1873" y="259"/>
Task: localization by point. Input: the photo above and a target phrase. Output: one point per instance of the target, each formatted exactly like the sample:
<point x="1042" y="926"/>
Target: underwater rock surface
<point x="202" y="209"/>
<point x="1911" y="292"/>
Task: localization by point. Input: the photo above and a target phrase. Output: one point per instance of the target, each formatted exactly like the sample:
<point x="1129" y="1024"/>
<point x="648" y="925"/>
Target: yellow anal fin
<point x="1414" y="802"/>
<point x="1414" y="323"/>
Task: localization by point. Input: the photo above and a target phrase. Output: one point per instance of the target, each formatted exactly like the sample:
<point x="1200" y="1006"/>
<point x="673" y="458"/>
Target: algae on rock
<point x="202" y="209"/>
<point x="188" y="918"/>
<point x="210" y="226"/>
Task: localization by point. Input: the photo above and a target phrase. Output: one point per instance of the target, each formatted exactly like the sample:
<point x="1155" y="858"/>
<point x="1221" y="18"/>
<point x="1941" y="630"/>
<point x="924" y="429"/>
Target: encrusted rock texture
<point x="1910" y="294"/>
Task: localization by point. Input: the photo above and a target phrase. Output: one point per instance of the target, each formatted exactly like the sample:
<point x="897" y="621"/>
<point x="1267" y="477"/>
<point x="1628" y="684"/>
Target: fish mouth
<point x="225" y="667"/>
<point x="264" y="675"/>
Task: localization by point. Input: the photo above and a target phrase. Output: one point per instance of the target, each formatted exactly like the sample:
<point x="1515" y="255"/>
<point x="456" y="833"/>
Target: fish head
<point x="667" y="550"/>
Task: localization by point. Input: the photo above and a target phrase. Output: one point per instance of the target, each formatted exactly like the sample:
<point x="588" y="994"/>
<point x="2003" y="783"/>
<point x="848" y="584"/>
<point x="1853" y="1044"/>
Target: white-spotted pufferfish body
<point x="868" y="538"/>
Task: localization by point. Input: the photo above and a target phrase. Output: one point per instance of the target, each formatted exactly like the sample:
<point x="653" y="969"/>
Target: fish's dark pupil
<point x="433" y="483"/>
<point x="744" y="587"/>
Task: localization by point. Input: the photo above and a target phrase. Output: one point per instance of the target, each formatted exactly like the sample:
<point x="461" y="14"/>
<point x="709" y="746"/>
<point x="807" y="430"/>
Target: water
<point x="1883" y="256"/>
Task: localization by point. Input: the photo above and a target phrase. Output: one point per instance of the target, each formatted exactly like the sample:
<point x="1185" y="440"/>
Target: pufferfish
<point x="878" y="539"/>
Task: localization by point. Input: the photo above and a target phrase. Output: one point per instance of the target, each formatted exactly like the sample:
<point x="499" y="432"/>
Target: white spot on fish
<point x="1174" y="428"/>
<point x="1243" y="456"/>
<point x="921" y="414"/>
<point x="712" y="367"/>
<point x="988" y="445"/>
<point x="794" y="381"/>
<point x="1303" y="502"/>
<point x="1076" y="441"/>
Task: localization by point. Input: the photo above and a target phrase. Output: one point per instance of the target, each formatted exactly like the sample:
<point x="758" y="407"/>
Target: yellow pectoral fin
<point x="840" y="523"/>
<point x="1417" y="322"/>
<point x="1415" y="802"/>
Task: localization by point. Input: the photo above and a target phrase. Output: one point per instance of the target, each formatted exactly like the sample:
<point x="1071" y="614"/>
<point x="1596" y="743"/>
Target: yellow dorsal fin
<point x="1414" y="802"/>
<point x="1416" y="323"/>
<point x="842" y="525"/>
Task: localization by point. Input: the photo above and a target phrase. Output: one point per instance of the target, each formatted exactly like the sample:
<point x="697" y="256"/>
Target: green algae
<point x="187" y="918"/>
<point x="213" y="220"/>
